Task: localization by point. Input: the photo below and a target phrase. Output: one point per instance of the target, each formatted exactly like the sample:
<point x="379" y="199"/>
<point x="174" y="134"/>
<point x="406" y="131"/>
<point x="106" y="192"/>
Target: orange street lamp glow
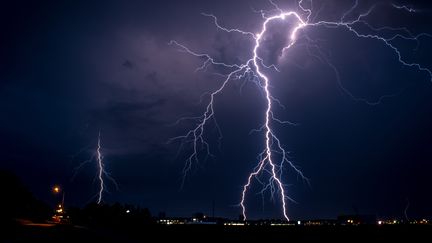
<point x="56" y="189"/>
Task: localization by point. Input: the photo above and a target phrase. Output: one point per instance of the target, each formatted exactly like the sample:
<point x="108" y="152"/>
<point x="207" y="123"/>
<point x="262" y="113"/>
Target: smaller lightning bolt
<point x="101" y="174"/>
<point x="406" y="209"/>
<point x="404" y="7"/>
<point x="101" y="170"/>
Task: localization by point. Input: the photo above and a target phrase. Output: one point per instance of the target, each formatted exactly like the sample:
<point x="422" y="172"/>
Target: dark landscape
<point x="215" y="121"/>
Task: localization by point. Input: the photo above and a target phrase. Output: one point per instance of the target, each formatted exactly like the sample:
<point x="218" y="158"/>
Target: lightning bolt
<point x="404" y="7"/>
<point x="101" y="174"/>
<point x="274" y="157"/>
<point x="101" y="170"/>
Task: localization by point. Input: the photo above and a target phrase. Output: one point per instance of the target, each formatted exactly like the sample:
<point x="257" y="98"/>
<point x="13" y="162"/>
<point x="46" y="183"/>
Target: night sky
<point x="71" y="68"/>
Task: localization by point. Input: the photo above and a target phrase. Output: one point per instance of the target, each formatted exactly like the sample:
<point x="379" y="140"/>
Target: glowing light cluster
<point x="301" y="18"/>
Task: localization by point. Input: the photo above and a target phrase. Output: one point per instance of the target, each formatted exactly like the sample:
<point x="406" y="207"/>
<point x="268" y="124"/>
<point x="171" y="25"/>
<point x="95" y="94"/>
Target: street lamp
<point x="57" y="189"/>
<point x="60" y="207"/>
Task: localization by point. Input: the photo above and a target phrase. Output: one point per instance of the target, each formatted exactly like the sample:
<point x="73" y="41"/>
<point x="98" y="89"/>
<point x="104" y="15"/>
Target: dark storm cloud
<point x="128" y="64"/>
<point x="69" y="70"/>
<point x="125" y="113"/>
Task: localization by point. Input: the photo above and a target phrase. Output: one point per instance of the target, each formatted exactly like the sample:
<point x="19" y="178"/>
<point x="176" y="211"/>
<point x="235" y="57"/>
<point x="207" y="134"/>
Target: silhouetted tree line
<point x="18" y="202"/>
<point x="115" y="215"/>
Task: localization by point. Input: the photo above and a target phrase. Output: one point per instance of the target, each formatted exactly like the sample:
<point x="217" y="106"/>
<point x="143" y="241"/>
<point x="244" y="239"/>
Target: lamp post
<point x="60" y="207"/>
<point x="57" y="189"/>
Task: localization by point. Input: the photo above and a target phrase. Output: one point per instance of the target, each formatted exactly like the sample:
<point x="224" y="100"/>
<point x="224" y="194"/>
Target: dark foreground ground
<point x="212" y="233"/>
